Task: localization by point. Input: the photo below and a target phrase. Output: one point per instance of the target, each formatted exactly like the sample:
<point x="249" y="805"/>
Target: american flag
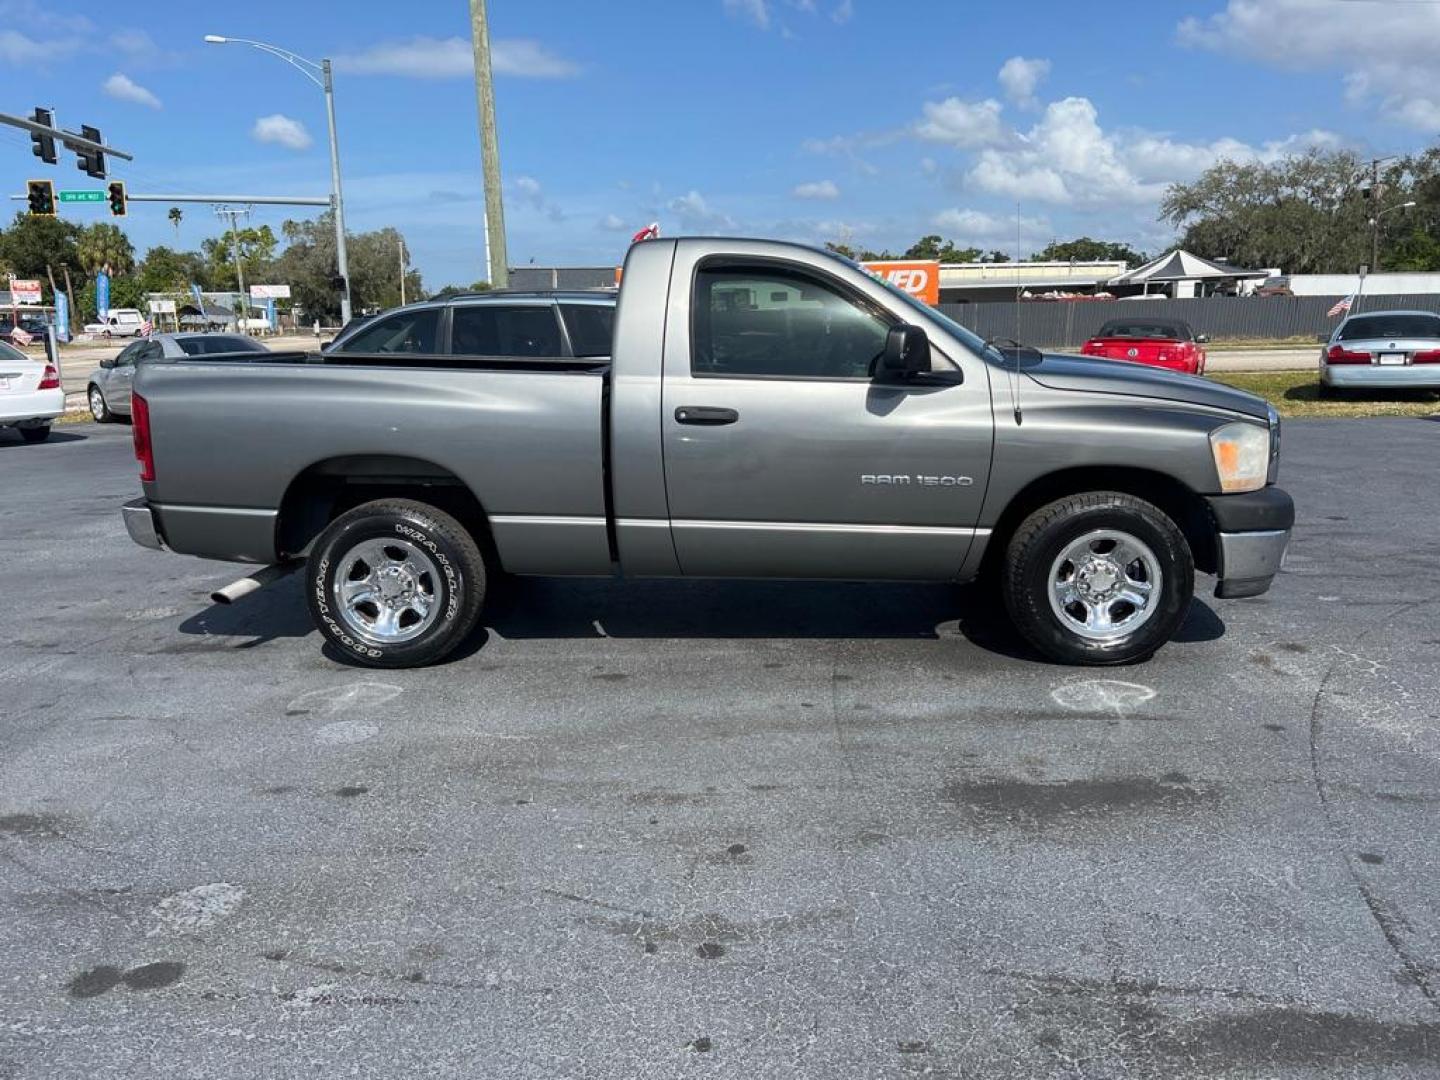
<point x="1341" y="306"/>
<point x="147" y="328"/>
<point x="20" y="337"/>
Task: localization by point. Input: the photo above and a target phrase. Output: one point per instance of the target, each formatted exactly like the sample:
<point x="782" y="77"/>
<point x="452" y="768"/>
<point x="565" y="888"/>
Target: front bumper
<point x="1252" y="533"/>
<point x="1381" y="376"/>
<point x="140" y="523"/>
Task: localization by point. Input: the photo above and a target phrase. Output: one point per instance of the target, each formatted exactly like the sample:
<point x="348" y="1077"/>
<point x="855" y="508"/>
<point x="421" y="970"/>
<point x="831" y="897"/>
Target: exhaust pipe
<point x="258" y="580"/>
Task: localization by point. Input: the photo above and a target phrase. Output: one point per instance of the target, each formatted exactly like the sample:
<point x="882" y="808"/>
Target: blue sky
<point x="807" y="119"/>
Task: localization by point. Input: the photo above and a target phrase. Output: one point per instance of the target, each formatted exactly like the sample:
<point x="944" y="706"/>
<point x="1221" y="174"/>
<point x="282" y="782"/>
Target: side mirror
<point x="1202" y="339"/>
<point x="907" y="353"/>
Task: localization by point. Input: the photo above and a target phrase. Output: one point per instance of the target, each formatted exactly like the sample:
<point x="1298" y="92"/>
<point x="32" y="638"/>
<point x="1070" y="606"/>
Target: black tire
<point x="1041" y="539"/>
<point x="99" y="407"/>
<point x="35" y="434"/>
<point x="456" y="588"/>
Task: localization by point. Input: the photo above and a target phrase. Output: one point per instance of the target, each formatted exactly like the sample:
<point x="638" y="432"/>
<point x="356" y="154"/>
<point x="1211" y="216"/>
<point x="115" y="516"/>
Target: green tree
<point x="101" y="246"/>
<point x="176" y="215"/>
<point x="456" y="290"/>
<point x="1084" y="249"/>
<point x="32" y="242"/>
<point x="257" y="252"/>
<point x="1306" y="214"/>
<point x="308" y="266"/>
<point x="936" y="247"/>
<point x="166" y="270"/>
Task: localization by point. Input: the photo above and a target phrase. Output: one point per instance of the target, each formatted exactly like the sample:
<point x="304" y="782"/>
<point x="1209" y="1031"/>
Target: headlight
<point x="1242" y="456"/>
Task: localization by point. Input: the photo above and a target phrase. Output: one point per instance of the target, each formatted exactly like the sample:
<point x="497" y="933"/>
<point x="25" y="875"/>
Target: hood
<point x="1099" y="376"/>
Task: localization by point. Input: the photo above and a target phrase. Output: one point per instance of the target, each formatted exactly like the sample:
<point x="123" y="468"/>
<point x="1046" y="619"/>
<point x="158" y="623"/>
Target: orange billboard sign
<point x="920" y="278"/>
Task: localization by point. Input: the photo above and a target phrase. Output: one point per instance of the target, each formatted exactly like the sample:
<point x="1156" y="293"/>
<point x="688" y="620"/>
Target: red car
<point x="1167" y="343"/>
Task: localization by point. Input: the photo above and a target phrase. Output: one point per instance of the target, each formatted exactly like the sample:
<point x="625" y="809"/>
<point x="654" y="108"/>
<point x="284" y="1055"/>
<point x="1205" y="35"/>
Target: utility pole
<point x="234" y="213"/>
<point x="489" y="148"/>
<point x="401" y="245"/>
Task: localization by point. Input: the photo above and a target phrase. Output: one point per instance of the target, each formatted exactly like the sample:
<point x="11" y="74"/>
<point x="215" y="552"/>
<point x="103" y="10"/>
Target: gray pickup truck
<point x="768" y="411"/>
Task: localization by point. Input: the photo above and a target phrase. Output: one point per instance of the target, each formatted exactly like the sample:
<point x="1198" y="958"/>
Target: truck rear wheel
<point x="395" y="583"/>
<point x="1098" y="578"/>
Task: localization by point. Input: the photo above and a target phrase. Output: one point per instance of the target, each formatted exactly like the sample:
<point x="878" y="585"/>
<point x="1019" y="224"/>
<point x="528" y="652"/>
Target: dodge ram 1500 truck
<point x="767" y="410"/>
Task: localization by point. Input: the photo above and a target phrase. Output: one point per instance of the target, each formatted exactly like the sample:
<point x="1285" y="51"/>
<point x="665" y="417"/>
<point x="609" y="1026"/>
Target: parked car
<point x="545" y="323"/>
<point x="108" y="388"/>
<point x="30" y="394"/>
<point x="1166" y="343"/>
<point x="119" y="322"/>
<point x="770" y="411"/>
<point x="1383" y="350"/>
<point x="34" y="325"/>
<point x="1274" y="286"/>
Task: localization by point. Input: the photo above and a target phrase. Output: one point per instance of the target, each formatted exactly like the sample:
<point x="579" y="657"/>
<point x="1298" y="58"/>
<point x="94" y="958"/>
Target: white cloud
<point x="755" y="11"/>
<point x="844" y="12"/>
<point x="614" y="223"/>
<point x="817" y="189"/>
<point x="979" y="228"/>
<point x="1020" y="77"/>
<point x="1386" y="51"/>
<point x="530" y="193"/>
<point x="964" y="124"/>
<point x="698" y="216"/>
<point x="454" y="58"/>
<point x="123" y="88"/>
<point x="281" y="130"/>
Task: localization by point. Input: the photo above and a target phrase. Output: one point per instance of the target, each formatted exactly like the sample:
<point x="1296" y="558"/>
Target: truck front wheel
<point x="1098" y="578"/>
<point x="395" y="583"/>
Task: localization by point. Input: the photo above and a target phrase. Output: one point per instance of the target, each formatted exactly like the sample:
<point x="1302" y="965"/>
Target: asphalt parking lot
<point x="738" y="830"/>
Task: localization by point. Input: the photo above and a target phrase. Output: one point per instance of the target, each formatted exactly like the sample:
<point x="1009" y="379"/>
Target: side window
<point x="591" y="327"/>
<point x="497" y="330"/>
<point x="150" y="350"/>
<point x="129" y="353"/>
<point x="407" y="332"/>
<point x="781" y="323"/>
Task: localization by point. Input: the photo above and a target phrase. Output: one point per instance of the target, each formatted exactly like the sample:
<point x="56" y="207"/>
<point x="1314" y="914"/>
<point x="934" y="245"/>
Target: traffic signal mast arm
<point x="81" y="144"/>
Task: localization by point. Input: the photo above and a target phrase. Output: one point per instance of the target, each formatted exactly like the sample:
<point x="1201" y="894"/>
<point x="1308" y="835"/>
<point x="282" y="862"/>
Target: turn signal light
<point x="1338" y="354"/>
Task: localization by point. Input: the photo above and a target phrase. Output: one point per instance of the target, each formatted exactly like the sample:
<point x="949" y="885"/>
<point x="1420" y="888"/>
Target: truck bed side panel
<point x="229" y="439"/>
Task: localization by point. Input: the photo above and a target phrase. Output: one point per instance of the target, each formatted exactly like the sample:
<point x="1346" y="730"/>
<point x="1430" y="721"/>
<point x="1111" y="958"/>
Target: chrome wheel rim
<point x="386" y="591"/>
<point x="1105" y="585"/>
<point x="97" y="403"/>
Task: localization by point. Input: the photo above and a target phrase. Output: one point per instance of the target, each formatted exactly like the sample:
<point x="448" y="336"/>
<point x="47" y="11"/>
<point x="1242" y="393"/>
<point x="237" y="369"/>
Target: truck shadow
<point x="559" y="608"/>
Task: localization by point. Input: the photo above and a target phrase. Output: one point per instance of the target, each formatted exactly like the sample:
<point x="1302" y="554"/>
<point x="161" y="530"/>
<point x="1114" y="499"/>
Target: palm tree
<point x="104" y="247"/>
<point x="175" y="215"/>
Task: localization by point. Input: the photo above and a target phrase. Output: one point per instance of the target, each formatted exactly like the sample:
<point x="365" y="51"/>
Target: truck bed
<point x="526" y="437"/>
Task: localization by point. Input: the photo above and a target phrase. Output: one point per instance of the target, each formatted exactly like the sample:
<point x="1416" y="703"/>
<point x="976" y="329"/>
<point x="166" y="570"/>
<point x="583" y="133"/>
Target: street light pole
<point x="319" y="74"/>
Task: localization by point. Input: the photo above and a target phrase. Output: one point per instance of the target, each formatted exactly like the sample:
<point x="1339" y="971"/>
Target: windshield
<point x="205" y="346"/>
<point x="1399" y="325"/>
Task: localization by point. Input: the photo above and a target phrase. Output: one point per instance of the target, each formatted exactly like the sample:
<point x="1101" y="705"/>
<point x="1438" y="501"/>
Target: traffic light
<point x="41" y="194"/>
<point x="116" y="192"/>
<point x="43" y="146"/>
<point x="90" y="162"/>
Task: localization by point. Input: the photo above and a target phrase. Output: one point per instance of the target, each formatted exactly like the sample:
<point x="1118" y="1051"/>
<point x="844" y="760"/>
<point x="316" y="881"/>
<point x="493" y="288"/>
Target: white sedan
<point x="30" y="394"/>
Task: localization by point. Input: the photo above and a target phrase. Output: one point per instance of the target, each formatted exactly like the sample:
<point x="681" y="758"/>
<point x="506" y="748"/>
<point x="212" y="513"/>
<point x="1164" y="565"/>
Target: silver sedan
<point x="109" y="385"/>
<point x="1383" y="350"/>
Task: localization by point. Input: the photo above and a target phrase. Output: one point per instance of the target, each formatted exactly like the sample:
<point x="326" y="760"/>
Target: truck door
<point x="785" y="458"/>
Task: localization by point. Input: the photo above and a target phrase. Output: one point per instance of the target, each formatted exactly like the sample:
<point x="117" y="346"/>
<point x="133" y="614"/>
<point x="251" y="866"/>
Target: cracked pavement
<point x="730" y="829"/>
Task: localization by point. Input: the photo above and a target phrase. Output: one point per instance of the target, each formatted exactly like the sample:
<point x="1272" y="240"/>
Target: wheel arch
<point x="1178" y="501"/>
<point x="328" y="488"/>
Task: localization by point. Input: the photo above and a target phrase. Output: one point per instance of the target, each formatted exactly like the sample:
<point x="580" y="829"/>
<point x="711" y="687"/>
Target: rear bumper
<point x="34" y="406"/>
<point x="140" y="523"/>
<point x="1252" y="533"/>
<point x="1381" y="376"/>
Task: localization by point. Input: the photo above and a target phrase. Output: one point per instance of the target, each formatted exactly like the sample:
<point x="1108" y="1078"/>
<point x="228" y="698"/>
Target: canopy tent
<point x="1180" y="265"/>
